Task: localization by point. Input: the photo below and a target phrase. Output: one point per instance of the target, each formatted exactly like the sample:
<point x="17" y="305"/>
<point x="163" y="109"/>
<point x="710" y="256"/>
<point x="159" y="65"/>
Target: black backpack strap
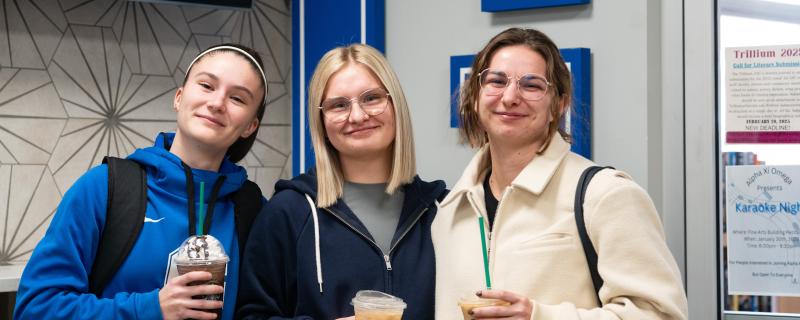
<point x="247" y="205"/>
<point x="580" y="221"/>
<point x="127" y="202"/>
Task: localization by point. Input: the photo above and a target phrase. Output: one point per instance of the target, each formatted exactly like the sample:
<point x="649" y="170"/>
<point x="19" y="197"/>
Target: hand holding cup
<point x="176" y="302"/>
<point x="509" y="305"/>
<point x="206" y="255"/>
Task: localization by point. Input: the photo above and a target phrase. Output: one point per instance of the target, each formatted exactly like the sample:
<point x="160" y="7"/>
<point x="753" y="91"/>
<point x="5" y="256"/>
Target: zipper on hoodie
<point x="410" y="226"/>
<point x="386" y="256"/>
<point x="388" y="263"/>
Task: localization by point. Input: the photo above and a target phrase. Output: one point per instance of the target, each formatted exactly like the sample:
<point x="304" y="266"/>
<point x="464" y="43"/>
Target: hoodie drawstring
<point x="316" y="240"/>
<point x="212" y="203"/>
<point x="190" y="199"/>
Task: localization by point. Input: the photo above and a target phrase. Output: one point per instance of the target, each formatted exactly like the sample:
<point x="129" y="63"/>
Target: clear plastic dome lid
<point x="369" y="299"/>
<point x="203" y="248"/>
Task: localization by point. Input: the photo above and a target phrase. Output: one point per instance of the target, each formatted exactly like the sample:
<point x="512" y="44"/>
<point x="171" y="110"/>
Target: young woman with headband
<point x="219" y="107"/>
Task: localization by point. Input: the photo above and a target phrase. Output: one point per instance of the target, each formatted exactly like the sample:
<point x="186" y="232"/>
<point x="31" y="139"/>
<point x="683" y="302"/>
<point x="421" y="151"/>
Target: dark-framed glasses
<point x="373" y="102"/>
<point x="531" y="86"/>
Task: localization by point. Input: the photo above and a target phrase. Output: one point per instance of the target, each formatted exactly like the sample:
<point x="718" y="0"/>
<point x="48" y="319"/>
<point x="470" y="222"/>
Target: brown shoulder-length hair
<point x="557" y="73"/>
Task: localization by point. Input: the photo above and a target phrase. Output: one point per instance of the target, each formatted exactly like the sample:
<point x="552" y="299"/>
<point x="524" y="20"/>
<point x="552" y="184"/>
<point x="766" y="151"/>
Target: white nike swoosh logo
<point x="146" y="219"/>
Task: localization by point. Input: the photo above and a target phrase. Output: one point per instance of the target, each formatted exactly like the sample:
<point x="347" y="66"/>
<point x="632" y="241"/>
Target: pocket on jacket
<point x="547" y="241"/>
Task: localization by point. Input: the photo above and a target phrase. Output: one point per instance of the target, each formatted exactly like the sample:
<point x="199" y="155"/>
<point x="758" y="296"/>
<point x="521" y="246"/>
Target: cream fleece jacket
<point x="535" y="250"/>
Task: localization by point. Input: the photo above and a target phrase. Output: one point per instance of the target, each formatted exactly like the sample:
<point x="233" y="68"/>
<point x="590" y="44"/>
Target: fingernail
<point x="478" y="293"/>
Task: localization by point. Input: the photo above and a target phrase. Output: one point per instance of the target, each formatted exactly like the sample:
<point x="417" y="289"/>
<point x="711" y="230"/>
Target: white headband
<point x="244" y="53"/>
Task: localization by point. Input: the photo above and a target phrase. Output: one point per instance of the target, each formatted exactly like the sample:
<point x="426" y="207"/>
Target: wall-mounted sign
<point x="762" y="94"/>
<point x="763" y="230"/>
<point x="460" y="67"/>
<point x="507" y="5"/>
<point x="578" y="124"/>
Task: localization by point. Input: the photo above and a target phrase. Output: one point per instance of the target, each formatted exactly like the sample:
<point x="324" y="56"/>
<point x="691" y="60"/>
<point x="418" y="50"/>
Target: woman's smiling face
<point x="360" y="135"/>
<point x="508" y="118"/>
<point x="218" y="103"/>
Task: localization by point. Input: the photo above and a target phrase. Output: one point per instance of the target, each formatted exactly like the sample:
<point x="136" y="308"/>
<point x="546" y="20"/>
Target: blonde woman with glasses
<point x="360" y="220"/>
<point x="509" y="222"/>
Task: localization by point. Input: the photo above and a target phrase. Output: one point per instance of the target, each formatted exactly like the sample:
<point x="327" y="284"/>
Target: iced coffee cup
<point x="471" y="301"/>
<point x="204" y="253"/>
<point x="376" y="305"/>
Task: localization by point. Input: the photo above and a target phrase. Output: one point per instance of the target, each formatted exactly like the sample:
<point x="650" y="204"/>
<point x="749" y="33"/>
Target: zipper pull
<point x="388" y="263"/>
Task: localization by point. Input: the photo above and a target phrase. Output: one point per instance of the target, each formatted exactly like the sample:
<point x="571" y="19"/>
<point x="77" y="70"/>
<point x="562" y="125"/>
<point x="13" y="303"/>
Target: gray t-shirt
<point x="378" y="211"/>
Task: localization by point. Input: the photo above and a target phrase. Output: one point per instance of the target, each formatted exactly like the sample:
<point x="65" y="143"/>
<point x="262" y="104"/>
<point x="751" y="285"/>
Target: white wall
<point x="422" y="35"/>
<point x="702" y="253"/>
<point x="637" y="68"/>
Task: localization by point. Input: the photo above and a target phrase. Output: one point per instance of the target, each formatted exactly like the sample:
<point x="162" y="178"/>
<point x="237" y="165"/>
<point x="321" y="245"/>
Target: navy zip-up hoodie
<point x="279" y="276"/>
<point x="55" y="282"/>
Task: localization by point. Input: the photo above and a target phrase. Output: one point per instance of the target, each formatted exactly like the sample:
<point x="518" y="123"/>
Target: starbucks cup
<point x="204" y="253"/>
<point x="471" y="301"/>
<point x="376" y="305"/>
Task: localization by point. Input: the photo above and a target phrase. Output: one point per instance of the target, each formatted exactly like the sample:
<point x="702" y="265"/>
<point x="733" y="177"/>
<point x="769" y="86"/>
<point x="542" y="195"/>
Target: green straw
<point x="201" y="221"/>
<point x="485" y="255"/>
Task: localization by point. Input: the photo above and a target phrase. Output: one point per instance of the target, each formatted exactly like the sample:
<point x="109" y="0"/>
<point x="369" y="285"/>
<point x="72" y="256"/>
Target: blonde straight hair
<point x="329" y="171"/>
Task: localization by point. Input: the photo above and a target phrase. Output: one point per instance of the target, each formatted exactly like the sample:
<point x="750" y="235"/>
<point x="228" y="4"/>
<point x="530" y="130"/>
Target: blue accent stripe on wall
<point x="457" y="63"/>
<point x="376" y="24"/>
<point x="295" y="87"/>
<point x="327" y="24"/>
<point x="581" y="117"/>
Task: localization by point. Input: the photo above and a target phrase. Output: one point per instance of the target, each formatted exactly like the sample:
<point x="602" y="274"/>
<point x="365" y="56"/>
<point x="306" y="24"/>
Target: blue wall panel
<point x="318" y="26"/>
<point x="507" y="5"/>
<point x="458" y="76"/>
<point x="579" y="60"/>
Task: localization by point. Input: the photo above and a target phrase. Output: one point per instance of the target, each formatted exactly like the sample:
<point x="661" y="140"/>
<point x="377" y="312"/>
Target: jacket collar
<point x="168" y="171"/>
<point x="418" y="195"/>
<point x="533" y="178"/>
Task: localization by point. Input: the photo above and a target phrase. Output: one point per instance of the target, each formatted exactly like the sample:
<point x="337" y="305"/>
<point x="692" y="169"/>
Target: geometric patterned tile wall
<point x="81" y="79"/>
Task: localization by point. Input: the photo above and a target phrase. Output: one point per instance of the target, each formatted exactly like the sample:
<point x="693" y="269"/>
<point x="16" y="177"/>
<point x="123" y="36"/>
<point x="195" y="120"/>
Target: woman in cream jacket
<point x="522" y="181"/>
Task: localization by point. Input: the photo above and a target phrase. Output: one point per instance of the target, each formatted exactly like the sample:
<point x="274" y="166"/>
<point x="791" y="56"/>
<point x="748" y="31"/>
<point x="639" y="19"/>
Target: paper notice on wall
<point x="762" y="206"/>
<point x="762" y="94"/>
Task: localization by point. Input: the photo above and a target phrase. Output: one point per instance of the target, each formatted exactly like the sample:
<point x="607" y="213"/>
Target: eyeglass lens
<point x="530" y="86"/>
<point x="373" y="102"/>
